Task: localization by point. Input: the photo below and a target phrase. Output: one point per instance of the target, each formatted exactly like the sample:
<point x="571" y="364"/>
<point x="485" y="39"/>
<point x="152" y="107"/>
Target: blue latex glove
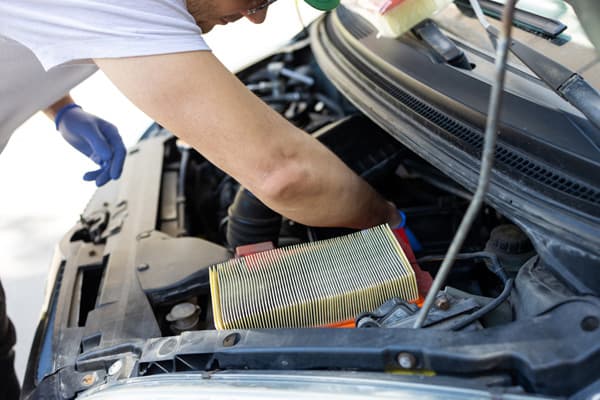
<point x="95" y="138"/>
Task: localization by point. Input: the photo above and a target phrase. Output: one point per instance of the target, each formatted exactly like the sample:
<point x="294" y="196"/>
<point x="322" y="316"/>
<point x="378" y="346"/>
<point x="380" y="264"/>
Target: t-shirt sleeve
<point x="63" y="31"/>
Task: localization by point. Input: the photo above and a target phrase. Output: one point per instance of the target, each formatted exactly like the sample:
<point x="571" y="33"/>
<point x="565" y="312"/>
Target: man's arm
<point x="200" y="101"/>
<point x="57" y="106"/>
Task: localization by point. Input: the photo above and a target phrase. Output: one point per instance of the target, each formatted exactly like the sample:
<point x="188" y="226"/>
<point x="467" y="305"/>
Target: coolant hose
<point x="250" y="221"/>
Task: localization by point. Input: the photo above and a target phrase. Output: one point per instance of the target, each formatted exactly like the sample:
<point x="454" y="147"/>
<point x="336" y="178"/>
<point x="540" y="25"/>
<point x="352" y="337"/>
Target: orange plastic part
<point x="349" y="323"/>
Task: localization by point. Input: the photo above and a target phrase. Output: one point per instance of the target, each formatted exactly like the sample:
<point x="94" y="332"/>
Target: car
<point x="132" y="303"/>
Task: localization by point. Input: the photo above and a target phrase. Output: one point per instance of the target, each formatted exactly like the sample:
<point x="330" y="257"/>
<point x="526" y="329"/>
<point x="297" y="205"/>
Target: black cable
<point x="494" y="267"/>
<point x="492" y="305"/>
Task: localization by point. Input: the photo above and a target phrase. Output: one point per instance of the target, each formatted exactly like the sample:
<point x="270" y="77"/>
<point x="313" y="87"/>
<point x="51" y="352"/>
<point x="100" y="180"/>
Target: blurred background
<point x="41" y="175"/>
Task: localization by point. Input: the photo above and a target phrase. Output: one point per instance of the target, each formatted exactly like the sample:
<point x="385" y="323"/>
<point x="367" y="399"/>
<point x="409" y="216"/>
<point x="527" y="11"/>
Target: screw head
<point x="88" y="380"/>
<point x="143" y="267"/>
<point x="406" y="360"/>
<point x="442" y="302"/>
<point x="115" y="368"/>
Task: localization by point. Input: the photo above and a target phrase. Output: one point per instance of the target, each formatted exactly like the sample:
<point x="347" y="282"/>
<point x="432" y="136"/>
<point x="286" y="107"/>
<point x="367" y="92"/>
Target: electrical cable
<point x="300" y="19"/>
<point x="485" y="309"/>
<point x="487" y="161"/>
<point x="495" y="267"/>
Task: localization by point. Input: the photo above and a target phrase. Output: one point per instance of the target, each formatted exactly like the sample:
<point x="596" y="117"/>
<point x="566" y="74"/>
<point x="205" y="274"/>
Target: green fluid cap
<point x="323" y="5"/>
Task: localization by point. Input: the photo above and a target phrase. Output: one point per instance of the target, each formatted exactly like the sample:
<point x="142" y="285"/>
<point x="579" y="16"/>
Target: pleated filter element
<point x="312" y="284"/>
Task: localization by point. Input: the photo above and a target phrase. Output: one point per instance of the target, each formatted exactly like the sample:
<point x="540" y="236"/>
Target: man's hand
<point x="94" y="137"/>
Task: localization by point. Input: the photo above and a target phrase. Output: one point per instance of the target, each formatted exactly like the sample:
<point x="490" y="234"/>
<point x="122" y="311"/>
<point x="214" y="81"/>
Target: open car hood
<point x="547" y="157"/>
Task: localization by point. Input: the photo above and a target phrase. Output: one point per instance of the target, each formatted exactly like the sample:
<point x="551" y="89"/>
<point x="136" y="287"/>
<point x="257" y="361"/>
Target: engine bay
<point x="141" y="288"/>
<point x="199" y="200"/>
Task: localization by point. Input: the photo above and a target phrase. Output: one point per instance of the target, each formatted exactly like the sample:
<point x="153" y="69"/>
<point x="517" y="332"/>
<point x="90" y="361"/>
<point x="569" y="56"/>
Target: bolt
<point x="406" y="360"/>
<point x="231" y="340"/>
<point x="143" y="267"/>
<point x="115" y="368"/>
<point x="143" y="235"/>
<point x="92" y="253"/>
<point x="88" y="380"/>
<point x="442" y="302"/>
<point x="590" y="324"/>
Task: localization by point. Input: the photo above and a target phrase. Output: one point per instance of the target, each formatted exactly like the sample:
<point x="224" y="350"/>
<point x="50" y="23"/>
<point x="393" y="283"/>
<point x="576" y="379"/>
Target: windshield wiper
<point x="528" y="21"/>
<point x="566" y="83"/>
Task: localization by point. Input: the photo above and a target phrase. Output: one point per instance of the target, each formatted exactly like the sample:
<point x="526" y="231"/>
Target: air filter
<point x="315" y="284"/>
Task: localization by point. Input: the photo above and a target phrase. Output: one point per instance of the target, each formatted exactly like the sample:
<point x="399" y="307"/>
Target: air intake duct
<point x="250" y="221"/>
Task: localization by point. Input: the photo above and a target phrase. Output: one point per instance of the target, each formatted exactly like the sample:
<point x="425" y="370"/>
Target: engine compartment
<point x="199" y="200"/>
<point x="131" y="285"/>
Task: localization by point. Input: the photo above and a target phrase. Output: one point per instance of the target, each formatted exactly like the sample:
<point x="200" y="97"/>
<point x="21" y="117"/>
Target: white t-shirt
<point x="74" y="32"/>
<point x="26" y="88"/>
<point x="60" y="31"/>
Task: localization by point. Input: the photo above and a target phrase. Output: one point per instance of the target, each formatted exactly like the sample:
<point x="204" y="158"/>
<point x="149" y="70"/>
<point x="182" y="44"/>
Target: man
<point x="26" y="88"/>
<point x="154" y="52"/>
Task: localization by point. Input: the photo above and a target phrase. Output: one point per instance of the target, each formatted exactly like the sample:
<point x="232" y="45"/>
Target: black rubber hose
<point x="181" y="199"/>
<point x="250" y="221"/>
<point x="494" y="265"/>
<point x="489" y="307"/>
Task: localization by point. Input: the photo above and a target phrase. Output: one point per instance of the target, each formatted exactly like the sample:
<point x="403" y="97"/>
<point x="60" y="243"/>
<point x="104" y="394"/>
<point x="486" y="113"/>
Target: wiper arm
<point x="445" y="48"/>
<point x="530" y="22"/>
<point x="566" y="83"/>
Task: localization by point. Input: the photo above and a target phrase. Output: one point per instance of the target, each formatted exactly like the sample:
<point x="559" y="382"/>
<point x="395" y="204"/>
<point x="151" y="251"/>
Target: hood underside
<point x="546" y="154"/>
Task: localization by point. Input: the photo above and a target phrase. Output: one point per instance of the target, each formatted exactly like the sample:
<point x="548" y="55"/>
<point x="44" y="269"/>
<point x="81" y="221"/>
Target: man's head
<point x="209" y="13"/>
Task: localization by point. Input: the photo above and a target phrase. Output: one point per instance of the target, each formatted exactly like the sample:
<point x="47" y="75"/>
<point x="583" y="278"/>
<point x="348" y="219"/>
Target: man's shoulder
<point x="67" y="30"/>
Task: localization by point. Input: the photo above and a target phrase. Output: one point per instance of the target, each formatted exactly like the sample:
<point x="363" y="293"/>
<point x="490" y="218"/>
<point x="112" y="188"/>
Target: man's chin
<point x="206" y="26"/>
